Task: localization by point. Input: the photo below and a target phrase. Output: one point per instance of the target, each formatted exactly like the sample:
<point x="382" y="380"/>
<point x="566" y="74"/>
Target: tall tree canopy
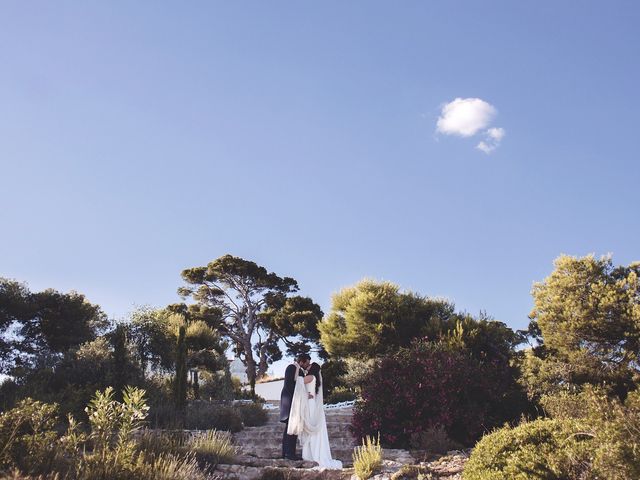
<point x="587" y="313"/>
<point x="154" y="336"/>
<point x="375" y="318"/>
<point x="253" y="308"/>
<point x="40" y="327"/>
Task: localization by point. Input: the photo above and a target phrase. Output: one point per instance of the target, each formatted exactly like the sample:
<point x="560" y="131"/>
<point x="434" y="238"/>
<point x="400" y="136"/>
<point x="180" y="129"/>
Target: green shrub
<point x="158" y="442"/>
<point x="116" y="456"/>
<point x="27" y="437"/>
<point x="340" y="394"/>
<point x="9" y="391"/>
<point x="216" y="385"/>
<point x="247" y="395"/>
<point x="591" y="436"/>
<point x="541" y="449"/>
<point x="30" y="444"/>
<point x="210" y="447"/>
<point x="113" y="453"/>
<point x="617" y="428"/>
<point x="434" y="440"/>
<point x="164" y="415"/>
<point x="566" y="405"/>
<point x="16" y="475"/>
<point x="213" y="447"/>
<point x="358" y="371"/>
<point x="252" y="414"/>
<point x="199" y="415"/>
<point x="171" y="467"/>
<point x="113" y="423"/>
<point x="165" y="466"/>
<point x="333" y="372"/>
<point x="203" y="415"/>
<point x="367" y="458"/>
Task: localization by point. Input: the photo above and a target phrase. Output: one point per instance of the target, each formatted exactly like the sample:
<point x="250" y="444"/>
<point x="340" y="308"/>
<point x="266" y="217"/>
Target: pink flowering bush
<point x="436" y="386"/>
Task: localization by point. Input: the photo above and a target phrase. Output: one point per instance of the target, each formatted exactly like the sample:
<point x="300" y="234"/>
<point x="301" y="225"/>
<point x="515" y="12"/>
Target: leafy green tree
<point x="290" y="320"/>
<point x="205" y="352"/>
<point x="15" y="308"/>
<point x="484" y="337"/>
<point x="333" y="373"/>
<point x="94" y="365"/>
<point x="252" y="308"/>
<point x="588" y="315"/>
<point x="375" y="318"/>
<point x="153" y="339"/>
<point x="36" y="329"/>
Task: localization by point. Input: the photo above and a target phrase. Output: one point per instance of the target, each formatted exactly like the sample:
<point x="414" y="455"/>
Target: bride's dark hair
<point x="315" y="371"/>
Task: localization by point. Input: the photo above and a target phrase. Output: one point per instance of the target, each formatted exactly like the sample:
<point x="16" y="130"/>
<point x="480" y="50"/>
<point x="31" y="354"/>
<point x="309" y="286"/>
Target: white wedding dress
<point x="308" y="421"/>
<point x="315" y="447"/>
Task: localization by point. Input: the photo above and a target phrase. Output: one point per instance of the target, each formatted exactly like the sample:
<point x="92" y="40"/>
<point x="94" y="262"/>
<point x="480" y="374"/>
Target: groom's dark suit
<point x="286" y="397"/>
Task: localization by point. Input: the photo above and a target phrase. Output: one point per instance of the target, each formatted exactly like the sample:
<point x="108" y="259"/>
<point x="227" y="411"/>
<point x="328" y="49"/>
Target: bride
<point x="308" y="421"/>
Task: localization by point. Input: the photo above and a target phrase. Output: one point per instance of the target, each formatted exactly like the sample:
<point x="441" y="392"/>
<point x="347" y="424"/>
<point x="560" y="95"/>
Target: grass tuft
<point x="367" y="458"/>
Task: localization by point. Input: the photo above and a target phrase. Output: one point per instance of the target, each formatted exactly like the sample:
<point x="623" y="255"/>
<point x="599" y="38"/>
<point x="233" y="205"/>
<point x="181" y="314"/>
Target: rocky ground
<point x="259" y="452"/>
<point x="434" y="467"/>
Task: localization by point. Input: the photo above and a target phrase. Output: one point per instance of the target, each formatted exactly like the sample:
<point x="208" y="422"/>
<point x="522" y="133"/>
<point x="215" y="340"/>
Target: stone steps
<point x="275" y="453"/>
<point x="260" y="451"/>
<point x="277" y="438"/>
<point x="277" y="442"/>
<point x="240" y="472"/>
<point x="446" y="467"/>
<point x="252" y="461"/>
<point x="274" y="450"/>
<point x="336" y="431"/>
<point x="245" y="434"/>
<point x="273" y="426"/>
<point x="342" y="412"/>
<point x="261" y="447"/>
<point x="332" y="418"/>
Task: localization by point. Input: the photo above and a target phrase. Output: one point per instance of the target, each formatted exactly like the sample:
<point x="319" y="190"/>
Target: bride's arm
<point x="309" y="379"/>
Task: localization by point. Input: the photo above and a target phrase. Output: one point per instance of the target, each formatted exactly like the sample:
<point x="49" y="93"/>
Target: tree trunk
<point x="251" y="366"/>
<point x="196" y="385"/>
<point x="180" y="381"/>
<point x="263" y="366"/>
<point x="119" y="361"/>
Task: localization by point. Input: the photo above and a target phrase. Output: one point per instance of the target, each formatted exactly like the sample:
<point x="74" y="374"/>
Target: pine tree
<point x="120" y="364"/>
<point x="180" y="382"/>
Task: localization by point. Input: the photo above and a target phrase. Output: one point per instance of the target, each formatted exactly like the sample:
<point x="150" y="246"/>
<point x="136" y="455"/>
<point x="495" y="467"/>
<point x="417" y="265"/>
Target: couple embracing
<point x="302" y="412"/>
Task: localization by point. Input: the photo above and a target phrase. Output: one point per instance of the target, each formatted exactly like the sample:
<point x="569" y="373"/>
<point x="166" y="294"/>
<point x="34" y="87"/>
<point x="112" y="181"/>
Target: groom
<point x="289" y="441"/>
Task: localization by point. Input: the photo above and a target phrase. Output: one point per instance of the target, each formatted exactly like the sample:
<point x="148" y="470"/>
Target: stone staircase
<point x="265" y="442"/>
<point x="260" y="453"/>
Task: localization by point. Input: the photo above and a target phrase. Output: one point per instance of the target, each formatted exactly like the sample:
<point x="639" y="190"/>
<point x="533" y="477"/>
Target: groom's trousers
<point x="288" y="442"/>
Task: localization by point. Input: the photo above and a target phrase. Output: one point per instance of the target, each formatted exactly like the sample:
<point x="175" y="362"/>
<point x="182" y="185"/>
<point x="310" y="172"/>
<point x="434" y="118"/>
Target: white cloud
<point x="485" y="147"/>
<point x="492" y="141"/>
<point x="465" y="117"/>
<point x="496" y="133"/>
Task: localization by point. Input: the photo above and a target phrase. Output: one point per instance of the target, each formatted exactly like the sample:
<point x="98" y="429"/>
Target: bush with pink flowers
<point x="437" y="385"/>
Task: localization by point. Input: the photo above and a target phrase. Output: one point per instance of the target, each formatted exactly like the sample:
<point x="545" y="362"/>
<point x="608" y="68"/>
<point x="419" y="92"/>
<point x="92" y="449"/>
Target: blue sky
<point x="141" y="138"/>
